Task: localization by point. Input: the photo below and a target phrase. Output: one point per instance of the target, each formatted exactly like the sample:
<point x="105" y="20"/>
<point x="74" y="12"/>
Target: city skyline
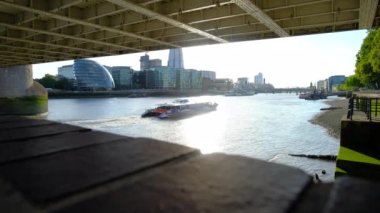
<point x="285" y="62"/>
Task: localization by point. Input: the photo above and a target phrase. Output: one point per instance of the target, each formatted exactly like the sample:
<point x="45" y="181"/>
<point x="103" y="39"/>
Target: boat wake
<point x="108" y="123"/>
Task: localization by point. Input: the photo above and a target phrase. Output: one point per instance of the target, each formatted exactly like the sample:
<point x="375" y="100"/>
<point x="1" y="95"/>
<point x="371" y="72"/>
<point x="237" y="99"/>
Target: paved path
<point x="52" y="167"/>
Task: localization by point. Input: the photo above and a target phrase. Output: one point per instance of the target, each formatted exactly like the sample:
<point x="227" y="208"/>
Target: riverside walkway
<point x="53" y="167"/>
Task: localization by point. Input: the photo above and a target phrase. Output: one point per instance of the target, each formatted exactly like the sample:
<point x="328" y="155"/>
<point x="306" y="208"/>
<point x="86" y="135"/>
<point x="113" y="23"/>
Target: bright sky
<point x="284" y="62"/>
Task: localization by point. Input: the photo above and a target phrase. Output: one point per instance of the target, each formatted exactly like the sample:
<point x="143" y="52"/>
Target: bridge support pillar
<point x="19" y="94"/>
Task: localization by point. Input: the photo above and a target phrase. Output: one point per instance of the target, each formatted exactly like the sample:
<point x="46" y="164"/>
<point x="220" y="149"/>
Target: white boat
<point x="181" y="101"/>
<point x="166" y="111"/>
<point x="188" y="110"/>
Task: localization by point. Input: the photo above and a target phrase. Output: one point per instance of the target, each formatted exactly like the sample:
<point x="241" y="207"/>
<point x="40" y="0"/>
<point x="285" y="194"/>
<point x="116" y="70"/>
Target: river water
<point x="263" y="126"/>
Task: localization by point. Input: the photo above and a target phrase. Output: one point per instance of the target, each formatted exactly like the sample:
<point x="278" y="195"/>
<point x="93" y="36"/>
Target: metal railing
<point x="370" y="106"/>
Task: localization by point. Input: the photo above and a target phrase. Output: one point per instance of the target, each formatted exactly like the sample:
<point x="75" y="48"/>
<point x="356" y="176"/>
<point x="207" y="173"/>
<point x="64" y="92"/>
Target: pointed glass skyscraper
<point x="175" y="58"/>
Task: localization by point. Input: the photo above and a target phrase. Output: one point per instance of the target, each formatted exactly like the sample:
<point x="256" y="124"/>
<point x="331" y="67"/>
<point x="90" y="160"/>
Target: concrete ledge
<point x="353" y="195"/>
<point x="362" y="136"/>
<point x="209" y="183"/>
<point x="359" y="153"/>
<point x="52" y="167"/>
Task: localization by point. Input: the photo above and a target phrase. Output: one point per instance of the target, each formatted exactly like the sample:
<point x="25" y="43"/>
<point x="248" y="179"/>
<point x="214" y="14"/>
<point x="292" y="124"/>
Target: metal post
<point x="369" y="108"/>
<point x="350" y="108"/>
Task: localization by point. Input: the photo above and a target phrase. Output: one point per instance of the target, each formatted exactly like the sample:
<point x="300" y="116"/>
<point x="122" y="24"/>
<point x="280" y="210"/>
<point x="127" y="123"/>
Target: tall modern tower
<point x="144" y="62"/>
<point x="259" y="79"/>
<point x="175" y="58"/>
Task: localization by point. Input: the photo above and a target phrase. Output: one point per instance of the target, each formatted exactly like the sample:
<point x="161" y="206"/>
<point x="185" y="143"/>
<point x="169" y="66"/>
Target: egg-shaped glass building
<point x="90" y="75"/>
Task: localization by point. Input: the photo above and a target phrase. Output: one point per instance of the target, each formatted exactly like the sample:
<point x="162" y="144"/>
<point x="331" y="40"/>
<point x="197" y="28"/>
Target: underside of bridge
<point x="37" y="31"/>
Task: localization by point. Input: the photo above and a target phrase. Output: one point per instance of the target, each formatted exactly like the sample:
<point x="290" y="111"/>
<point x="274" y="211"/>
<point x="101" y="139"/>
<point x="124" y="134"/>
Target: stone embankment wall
<point x="359" y="153"/>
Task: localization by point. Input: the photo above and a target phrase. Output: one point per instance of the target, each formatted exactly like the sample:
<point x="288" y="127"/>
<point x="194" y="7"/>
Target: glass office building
<point x="183" y="79"/>
<point x="335" y="81"/>
<point x="66" y="71"/>
<point x="161" y="78"/>
<point x="122" y="76"/>
<point x="92" y="76"/>
<point x="188" y="79"/>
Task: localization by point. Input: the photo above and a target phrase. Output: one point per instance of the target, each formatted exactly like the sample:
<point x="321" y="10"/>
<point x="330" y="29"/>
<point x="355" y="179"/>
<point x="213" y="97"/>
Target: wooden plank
<point x="12" y="201"/>
<point x="51" y="177"/>
<point x="11" y="118"/>
<point x="37" y="131"/>
<point x="24" y="123"/>
<point x="314" y="200"/>
<point x="211" y="183"/>
<point x="354" y="195"/>
<point x="12" y="151"/>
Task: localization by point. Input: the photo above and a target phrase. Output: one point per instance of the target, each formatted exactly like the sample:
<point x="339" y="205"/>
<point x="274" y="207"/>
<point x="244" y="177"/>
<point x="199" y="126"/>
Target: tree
<point x="63" y="83"/>
<point x="48" y="81"/>
<point x="368" y="60"/>
<point x="353" y="82"/>
<point x="60" y="82"/>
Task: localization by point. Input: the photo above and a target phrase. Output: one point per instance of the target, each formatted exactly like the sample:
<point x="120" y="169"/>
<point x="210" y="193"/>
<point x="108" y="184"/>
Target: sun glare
<point x="205" y="132"/>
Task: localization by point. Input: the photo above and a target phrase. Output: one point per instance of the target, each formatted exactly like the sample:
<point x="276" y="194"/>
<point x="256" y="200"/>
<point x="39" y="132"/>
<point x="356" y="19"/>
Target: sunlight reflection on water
<point x="204" y="132"/>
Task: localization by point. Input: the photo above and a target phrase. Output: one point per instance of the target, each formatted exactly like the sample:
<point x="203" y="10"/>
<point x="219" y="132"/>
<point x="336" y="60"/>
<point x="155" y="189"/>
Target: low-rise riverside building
<point x="224" y="84"/>
<point x="160" y="78"/>
<point x="208" y="74"/>
<point x="66" y="71"/>
<point x="122" y="76"/>
<point x="189" y="79"/>
<point x="322" y="85"/>
<point x="335" y="81"/>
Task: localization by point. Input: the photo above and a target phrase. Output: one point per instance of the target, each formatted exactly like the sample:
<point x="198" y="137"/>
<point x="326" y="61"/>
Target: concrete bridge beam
<point x="19" y="94"/>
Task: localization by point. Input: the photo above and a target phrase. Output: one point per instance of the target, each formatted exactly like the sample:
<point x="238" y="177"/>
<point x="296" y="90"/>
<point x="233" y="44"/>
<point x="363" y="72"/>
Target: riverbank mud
<point x="330" y="119"/>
